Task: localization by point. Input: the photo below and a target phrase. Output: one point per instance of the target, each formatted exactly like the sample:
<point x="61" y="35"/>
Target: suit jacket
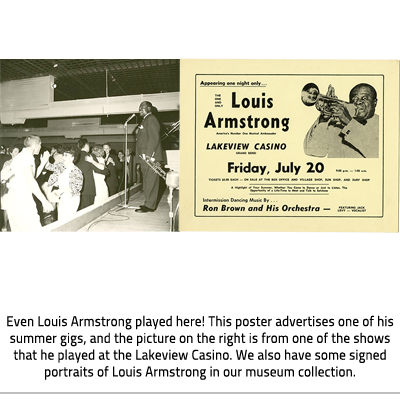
<point x="148" y="140"/>
<point x="355" y="140"/>
<point x="112" y="178"/>
<point x="89" y="187"/>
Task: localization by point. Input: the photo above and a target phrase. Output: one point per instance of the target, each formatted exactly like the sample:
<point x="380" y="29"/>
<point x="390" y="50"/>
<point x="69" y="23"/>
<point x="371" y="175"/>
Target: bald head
<point x="145" y="108"/>
<point x="364" y="97"/>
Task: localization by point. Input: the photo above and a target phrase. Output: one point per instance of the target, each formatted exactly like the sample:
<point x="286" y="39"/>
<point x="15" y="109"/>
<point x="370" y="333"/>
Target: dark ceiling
<point x="85" y="78"/>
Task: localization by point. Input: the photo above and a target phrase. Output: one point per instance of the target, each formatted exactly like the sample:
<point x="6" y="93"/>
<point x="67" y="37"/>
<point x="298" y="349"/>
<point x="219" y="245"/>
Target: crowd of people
<point x="68" y="179"/>
<point x="63" y="180"/>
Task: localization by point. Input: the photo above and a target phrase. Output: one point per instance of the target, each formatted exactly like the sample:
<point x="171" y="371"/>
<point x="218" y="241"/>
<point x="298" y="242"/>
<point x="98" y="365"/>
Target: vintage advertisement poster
<point x="289" y="145"/>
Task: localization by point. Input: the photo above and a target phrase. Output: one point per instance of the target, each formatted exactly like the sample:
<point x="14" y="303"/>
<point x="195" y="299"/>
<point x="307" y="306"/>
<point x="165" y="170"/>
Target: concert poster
<point x="289" y="145"/>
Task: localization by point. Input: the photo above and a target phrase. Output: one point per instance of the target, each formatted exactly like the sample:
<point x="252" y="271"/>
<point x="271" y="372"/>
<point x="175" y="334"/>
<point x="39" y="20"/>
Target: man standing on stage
<point x="148" y="145"/>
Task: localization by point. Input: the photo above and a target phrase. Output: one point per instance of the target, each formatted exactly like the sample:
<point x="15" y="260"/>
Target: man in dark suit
<point x="114" y="166"/>
<point x="87" y="164"/>
<point x="148" y="144"/>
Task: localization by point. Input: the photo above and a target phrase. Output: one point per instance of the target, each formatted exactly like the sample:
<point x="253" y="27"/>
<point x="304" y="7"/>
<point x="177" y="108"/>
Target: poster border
<point x="291" y="216"/>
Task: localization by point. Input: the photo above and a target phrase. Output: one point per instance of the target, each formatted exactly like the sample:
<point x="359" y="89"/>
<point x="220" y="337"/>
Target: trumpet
<point x="310" y="95"/>
<point x="155" y="166"/>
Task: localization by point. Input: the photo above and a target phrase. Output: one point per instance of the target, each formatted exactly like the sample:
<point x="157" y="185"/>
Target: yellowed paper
<point x="256" y="156"/>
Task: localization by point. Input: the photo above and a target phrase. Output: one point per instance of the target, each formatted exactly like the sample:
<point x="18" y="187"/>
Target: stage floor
<point x="120" y="219"/>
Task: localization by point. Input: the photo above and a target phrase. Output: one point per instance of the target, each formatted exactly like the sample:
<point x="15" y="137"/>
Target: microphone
<point x="126" y="122"/>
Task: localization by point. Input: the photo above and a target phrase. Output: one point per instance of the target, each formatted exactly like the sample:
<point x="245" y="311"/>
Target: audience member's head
<point x="107" y="148"/>
<point x="97" y="150"/>
<point x="58" y="153"/>
<point x="70" y="154"/>
<point x="34" y="143"/>
<point x="83" y="145"/>
<point x="14" y="150"/>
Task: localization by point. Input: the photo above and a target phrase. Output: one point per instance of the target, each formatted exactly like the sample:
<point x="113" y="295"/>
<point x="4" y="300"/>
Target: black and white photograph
<point x="344" y="129"/>
<point x="89" y="145"/>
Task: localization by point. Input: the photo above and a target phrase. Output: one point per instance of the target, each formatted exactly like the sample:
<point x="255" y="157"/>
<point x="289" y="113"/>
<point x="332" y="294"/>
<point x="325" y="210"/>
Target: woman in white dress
<point x="99" y="179"/>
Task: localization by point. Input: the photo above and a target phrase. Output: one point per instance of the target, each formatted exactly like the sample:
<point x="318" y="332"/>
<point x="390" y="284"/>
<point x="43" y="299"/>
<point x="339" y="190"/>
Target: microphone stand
<point x="125" y="205"/>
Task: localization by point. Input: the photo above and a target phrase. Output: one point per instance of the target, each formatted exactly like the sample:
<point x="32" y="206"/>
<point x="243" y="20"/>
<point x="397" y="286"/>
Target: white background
<point x="195" y="274"/>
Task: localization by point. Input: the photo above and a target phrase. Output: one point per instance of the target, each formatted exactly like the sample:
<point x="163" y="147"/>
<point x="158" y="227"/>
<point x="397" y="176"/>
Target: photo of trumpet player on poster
<point x="343" y="129"/>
